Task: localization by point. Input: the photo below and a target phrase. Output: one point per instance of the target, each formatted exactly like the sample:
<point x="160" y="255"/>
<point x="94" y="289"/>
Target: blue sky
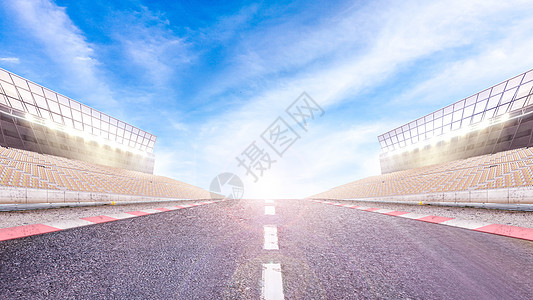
<point x="209" y="77"/>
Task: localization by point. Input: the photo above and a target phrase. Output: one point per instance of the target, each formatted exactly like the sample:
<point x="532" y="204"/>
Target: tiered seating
<point x="20" y="168"/>
<point x="511" y="168"/>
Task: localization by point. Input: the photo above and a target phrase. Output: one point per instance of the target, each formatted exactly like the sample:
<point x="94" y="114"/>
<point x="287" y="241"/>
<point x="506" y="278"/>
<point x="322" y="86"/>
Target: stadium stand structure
<point x="55" y="149"/>
<point x="20" y="168"/>
<point x="496" y="119"/>
<point x="513" y="168"/>
<point x="475" y="150"/>
<point x="40" y="120"/>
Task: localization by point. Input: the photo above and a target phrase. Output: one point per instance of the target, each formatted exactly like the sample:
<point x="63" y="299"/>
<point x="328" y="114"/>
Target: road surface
<point x="241" y="250"/>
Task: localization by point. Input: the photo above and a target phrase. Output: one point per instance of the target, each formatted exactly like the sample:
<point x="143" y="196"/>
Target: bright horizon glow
<point x="208" y="79"/>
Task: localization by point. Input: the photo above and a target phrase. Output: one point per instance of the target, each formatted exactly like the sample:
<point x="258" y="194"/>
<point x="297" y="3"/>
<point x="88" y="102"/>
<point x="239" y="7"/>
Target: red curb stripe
<point x="35" y="229"/>
<point x="99" y="219"/>
<point x="499" y="229"/>
<point x="371" y="209"/>
<point x="508" y="230"/>
<point x="138" y="213"/>
<point x="162" y="209"/>
<point x="396" y="213"/>
<point x="434" y="219"/>
<point x="24" y="231"/>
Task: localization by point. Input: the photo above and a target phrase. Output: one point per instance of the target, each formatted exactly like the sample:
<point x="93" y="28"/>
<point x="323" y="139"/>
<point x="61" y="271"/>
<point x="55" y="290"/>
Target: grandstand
<point x="40" y="120"/>
<point x="513" y="168"/>
<point x="474" y="150"/>
<point x="25" y="169"/>
<point x="53" y="148"/>
<point x="496" y="119"/>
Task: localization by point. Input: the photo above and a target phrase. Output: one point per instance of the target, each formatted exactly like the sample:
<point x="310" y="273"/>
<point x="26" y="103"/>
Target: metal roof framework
<point x="480" y="110"/>
<point x="46" y="107"/>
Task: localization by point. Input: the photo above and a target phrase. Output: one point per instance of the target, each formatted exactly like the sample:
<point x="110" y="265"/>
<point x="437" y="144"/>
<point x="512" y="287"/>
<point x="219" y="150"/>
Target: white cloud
<point x="154" y="54"/>
<point x="179" y="126"/>
<point x="83" y="58"/>
<point x="67" y="46"/>
<point x="149" y="44"/>
<point x="334" y="59"/>
<point x="14" y="60"/>
<point x="496" y="62"/>
<point x="227" y="27"/>
<point x="405" y="33"/>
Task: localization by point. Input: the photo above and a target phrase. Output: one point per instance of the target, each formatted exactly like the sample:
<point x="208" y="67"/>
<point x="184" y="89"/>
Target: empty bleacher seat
<point x="20" y="168"/>
<point x="511" y="168"/>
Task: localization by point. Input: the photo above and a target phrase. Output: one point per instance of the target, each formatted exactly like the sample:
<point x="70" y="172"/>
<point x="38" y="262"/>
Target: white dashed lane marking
<point x="271" y="237"/>
<point x="270" y="210"/>
<point x="272" y="282"/>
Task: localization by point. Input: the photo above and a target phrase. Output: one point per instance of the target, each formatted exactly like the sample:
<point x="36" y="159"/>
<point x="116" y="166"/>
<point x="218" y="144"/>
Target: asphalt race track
<point x="217" y="251"/>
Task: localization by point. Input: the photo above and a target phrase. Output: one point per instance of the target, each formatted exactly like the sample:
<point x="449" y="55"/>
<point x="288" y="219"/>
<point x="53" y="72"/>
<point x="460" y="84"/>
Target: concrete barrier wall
<point x="515" y="195"/>
<point x="13" y="195"/>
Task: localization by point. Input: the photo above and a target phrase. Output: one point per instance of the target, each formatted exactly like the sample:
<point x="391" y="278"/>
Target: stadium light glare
<point x="484" y="117"/>
<point x="484" y="124"/>
<point x="505" y="117"/>
<point x="50" y="124"/>
<point x="29" y="117"/>
<point x="455" y="133"/>
<point x="436" y="141"/>
<point x="71" y="131"/>
<point x="465" y="131"/>
<point x="75" y="132"/>
<point x="408" y="148"/>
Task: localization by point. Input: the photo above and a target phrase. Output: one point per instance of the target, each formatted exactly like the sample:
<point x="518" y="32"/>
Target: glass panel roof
<point x="503" y="99"/>
<point x="90" y="120"/>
